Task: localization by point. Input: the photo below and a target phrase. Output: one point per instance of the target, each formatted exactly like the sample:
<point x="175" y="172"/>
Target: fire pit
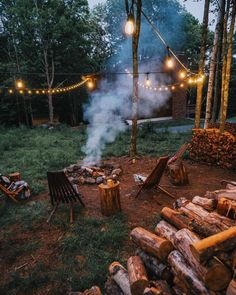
<point x="80" y="174"/>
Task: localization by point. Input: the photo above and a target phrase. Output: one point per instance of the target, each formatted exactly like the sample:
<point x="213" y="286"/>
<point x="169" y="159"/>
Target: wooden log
<point x="110" y="198"/>
<point x="210" y="246"/>
<point x="231" y="290"/>
<point x="157" y="288"/>
<point x="178" y="291"/>
<point x="177" y="173"/>
<point x="95" y="290"/>
<point x="185" y="273"/>
<point x="214" y="274"/>
<point x="137" y="275"/>
<point x="181" y="285"/>
<point x="180" y="221"/>
<point x="208" y="204"/>
<point x="155" y="266"/>
<point x="120" y="275"/>
<point x="227" y="208"/>
<point x="111" y="287"/>
<point x="166" y="230"/>
<point x="151" y="243"/>
<point x="226" y="193"/>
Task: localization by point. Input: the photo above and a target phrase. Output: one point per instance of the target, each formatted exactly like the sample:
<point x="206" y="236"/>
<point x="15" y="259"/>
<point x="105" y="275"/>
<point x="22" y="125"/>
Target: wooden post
<point x="110" y="198"/>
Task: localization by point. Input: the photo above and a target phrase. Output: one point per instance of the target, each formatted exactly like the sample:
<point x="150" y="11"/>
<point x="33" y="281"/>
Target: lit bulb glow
<point x="90" y="84"/>
<point x="148" y="83"/>
<point x="169" y="63"/>
<point x="129" y="27"/>
<point x="182" y="74"/>
<point x="19" y="84"/>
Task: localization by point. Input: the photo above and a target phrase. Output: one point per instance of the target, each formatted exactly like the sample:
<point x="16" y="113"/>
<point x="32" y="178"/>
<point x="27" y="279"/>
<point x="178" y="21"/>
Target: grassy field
<point x="83" y="251"/>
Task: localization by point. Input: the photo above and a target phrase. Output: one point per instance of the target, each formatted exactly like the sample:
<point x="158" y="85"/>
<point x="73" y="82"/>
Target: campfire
<point x="93" y="174"/>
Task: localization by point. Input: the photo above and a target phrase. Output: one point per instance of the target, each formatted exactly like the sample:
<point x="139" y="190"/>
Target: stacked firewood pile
<point x="93" y="174"/>
<point x="209" y="146"/>
<point x="192" y="250"/>
<point x="230" y="127"/>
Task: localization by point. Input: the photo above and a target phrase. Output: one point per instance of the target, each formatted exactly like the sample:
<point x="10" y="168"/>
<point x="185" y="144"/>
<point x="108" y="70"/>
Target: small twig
<point x="21" y="266"/>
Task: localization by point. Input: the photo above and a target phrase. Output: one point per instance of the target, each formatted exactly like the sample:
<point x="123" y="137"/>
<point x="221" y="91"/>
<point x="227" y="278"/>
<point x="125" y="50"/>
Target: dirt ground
<point x="141" y="211"/>
<point x="202" y="178"/>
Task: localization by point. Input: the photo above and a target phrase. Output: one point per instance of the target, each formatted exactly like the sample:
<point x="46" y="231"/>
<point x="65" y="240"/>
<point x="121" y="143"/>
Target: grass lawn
<point x="78" y="256"/>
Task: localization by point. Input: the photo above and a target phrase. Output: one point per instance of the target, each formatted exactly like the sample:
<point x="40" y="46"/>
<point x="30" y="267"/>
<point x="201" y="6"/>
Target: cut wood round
<point x="208" y="204"/>
<point x="214" y="274"/>
<point x="151" y="243"/>
<point x="110" y="198"/>
<point x="166" y="230"/>
<point x="120" y="276"/>
<point x="177" y="173"/>
<point x="227" y="208"/>
<point x="231" y="290"/>
<point x="185" y="273"/>
<point x="137" y="275"/>
<point x="210" y="246"/>
<point x="155" y="266"/>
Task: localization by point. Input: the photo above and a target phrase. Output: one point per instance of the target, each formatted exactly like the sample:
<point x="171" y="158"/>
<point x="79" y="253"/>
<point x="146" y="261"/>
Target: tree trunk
<point x="137" y="275"/>
<point x="202" y="63"/>
<point x="135" y="41"/>
<point x="120" y="276"/>
<point x="208" y="204"/>
<point x="154" y="266"/>
<point x="218" y="73"/>
<point x="228" y="69"/>
<point x="151" y="243"/>
<point x="211" y="246"/>
<point x="182" y="270"/>
<point x="214" y="274"/>
<point x="212" y="68"/>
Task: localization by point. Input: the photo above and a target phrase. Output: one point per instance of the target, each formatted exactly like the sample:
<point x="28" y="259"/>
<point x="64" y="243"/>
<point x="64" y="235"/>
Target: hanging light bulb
<point x="170" y="63"/>
<point x="129" y="26"/>
<point x="190" y="81"/>
<point x="182" y="74"/>
<point x="19" y="84"/>
<point x="182" y="85"/>
<point x="29" y="92"/>
<point x="90" y="84"/>
<point x="10" y="91"/>
<point x="173" y="87"/>
<point x="148" y="82"/>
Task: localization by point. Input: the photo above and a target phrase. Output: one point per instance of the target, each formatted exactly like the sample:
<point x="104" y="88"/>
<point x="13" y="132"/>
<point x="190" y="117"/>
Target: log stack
<point x="212" y="147"/>
<point x="191" y="251"/>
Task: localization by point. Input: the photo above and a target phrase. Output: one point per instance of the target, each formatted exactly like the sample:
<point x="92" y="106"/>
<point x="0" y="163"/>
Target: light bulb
<point x="129" y="26"/>
<point x="19" y="84"/>
<point x="169" y="63"/>
<point x="182" y="74"/>
<point x="90" y="84"/>
<point x="148" y="82"/>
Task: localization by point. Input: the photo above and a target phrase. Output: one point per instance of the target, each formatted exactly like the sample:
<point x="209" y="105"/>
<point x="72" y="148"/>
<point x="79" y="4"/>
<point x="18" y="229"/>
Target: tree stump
<point x="177" y="173"/>
<point x="110" y="198"/>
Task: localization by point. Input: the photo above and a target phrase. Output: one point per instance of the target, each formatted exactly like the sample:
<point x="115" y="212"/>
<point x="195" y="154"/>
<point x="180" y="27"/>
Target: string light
<point x="19" y="84"/>
<point x="148" y="82"/>
<point x="10" y="91"/>
<point x="182" y="74"/>
<point x="170" y="63"/>
<point x="90" y="84"/>
<point x="129" y="26"/>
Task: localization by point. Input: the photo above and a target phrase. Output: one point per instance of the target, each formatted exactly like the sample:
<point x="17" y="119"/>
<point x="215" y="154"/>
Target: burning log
<point x="183" y="271"/>
<point x="227" y="208"/>
<point x="110" y="198"/>
<point x="137" y="275"/>
<point x="151" y="243"/>
<point x="155" y="266"/>
<point x="206" y="248"/>
<point x="208" y="204"/>
<point x="120" y="276"/>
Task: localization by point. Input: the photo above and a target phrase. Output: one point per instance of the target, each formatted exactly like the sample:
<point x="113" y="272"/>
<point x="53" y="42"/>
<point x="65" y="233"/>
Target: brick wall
<point x="179" y="103"/>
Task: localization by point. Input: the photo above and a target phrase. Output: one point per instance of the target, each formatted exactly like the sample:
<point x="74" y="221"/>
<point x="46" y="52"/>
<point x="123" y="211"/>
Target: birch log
<point x="120" y="276"/>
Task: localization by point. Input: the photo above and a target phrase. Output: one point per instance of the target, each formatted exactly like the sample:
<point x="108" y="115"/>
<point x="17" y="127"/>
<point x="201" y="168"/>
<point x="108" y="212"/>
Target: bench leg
<point x="71" y="212"/>
<point x="166" y="192"/>
<point x="53" y="211"/>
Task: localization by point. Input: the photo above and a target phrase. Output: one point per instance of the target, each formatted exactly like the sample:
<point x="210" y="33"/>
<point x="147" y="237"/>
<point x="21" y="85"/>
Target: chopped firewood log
<point x="137" y="275"/>
<point x="157" y="288"/>
<point x="228" y="194"/>
<point x="92" y="291"/>
<point x="227" y="208"/>
<point x="151" y="243"/>
<point x="181" y="285"/>
<point x="111" y="288"/>
<point x="120" y="275"/>
<point x="233" y="260"/>
<point x="155" y="266"/>
<point x="208" y="204"/>
<point x="206" y="248"/>
<point x="231" y="290"/>
<point x="180" y="221"/>
<point x="214" y="273"/>
<point x="166" y="230"/>
<point x="177" y="173"/>
<point x="178" y="291"/>
<point x="186" y="274"/>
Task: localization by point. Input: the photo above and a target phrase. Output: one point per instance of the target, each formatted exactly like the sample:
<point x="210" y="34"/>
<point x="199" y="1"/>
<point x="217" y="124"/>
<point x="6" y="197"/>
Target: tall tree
<point x="202" y="63"/>
<point x="213" y="66"/>
<point x="228" y="68"/>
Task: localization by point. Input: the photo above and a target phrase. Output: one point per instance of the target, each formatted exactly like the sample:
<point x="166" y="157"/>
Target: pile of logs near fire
<point x="79" y="174"/>
<point x="191" y="251"/>
<point x="209" y="146"/>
